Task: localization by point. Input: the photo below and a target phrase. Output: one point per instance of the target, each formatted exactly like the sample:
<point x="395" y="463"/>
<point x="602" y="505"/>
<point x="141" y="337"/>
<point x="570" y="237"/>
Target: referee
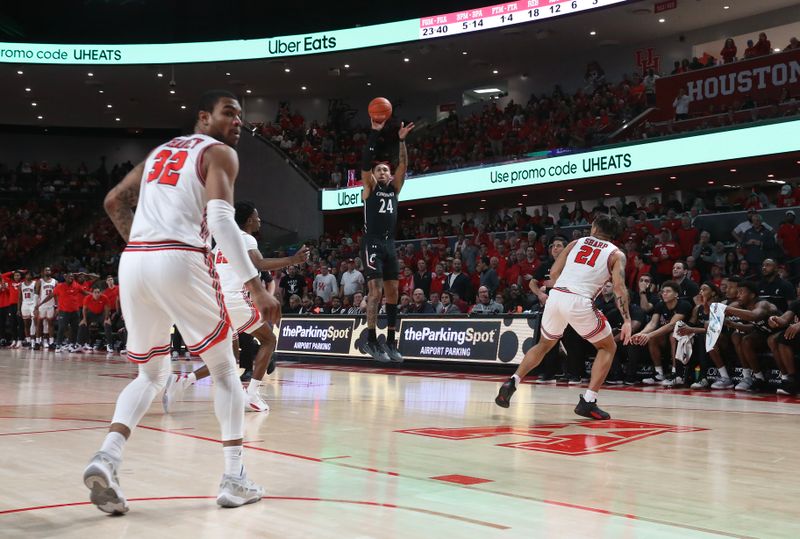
<point x="380" y="193"/>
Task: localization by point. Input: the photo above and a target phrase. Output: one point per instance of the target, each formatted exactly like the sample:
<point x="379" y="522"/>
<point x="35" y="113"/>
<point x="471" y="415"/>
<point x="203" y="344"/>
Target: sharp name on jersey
<point x="587" y="267"/>
<point x="172" y="193"/>
<point x="380" y="212"/>
<point x="227" y="277"/>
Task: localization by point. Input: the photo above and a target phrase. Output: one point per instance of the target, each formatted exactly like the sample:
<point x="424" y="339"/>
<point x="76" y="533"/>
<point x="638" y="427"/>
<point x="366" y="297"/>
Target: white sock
<point x="660" y="370"/>
<point x="233" y="459"/>
<point x="758" y="376"/>
<point x="252" y="388"/>
<point x="747" y="373"/>
<point x="590" y="396"/>
<point x="517" y="379"/>
<point x="113" y="444"/>
<point x="191" y="378"/>
<point x="723" y="372"/>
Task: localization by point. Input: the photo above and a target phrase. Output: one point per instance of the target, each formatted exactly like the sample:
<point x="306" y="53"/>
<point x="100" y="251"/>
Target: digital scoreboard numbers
<point x="501" y="15"/>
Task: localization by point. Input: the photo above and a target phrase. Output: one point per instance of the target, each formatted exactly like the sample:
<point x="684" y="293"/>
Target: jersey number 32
<point x="167" y="167"/>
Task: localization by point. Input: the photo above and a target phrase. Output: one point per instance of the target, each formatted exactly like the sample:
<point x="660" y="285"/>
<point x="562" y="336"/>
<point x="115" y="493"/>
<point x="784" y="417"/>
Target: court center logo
<point x="573" y="438"/>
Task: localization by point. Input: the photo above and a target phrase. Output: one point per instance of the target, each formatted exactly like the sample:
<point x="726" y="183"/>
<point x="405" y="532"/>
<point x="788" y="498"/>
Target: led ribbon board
<point x="472" y="20"/>
<point x="733" y="144"/>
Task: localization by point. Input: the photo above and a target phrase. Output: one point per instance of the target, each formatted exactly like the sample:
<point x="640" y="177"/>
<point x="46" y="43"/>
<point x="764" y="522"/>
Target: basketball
<point x="380" y="109"/>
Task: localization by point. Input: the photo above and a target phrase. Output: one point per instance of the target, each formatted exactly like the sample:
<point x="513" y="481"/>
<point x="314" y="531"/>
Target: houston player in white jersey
<point x="27" y="305"/>
<point x="244" y="316"/>
<point x="579" y="273"/>
<point x="46" y="308"/>
<point x="183" y="194"/>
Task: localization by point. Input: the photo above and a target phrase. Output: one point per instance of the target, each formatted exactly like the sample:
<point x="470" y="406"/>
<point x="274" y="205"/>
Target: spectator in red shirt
<point x="13" y="320"/>
<point x="789" y="240"/>
<point x="788" y="196"/>
<point x="69" y="296"/>
<point x="763" y="47"/>
<point x="95" y="312"/>
<point x="665" y="253"/>
<point x="438" y="279"/>
<point x="111" y="293"/>
<point x="671" y="222"/>
<point x="528" y="265"/>
<point x="687" y="235"/>
<point x="728" y="52"/>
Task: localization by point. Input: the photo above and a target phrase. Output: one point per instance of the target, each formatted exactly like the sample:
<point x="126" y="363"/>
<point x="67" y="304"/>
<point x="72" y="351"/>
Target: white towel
<point x="715" y="321"/>
<point x="683" y="351"/>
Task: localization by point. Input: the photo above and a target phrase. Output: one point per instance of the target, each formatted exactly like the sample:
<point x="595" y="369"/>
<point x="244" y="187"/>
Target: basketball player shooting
<point x="580" y="272"/>
<point x="380" y="196"/>
<point x="183" y="194"/>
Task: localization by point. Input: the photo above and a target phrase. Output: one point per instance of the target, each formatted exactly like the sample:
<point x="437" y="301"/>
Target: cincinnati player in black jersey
<point x="380" y="193"/>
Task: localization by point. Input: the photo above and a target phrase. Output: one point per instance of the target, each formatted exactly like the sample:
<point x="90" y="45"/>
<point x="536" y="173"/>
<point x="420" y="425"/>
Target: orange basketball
<point x="380" y="109"/>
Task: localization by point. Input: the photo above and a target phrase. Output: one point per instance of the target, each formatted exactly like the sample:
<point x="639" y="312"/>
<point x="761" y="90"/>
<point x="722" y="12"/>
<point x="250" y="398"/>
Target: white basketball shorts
<point x="27" y="309"/>
<point x="564" y="307"/>
<point x="47" y="310"/>
<point x="166" y="283"/>
<point x="245" y="318"/>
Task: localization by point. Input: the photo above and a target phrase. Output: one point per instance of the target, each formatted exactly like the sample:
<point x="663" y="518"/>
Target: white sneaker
<point x="653" y="380"/>
<point x="123" y="352"/>
<point x="100" y="476"/>
<point x="254" y="403"/>
<point x="701" y="384"/>
<point x="173" y="391"/>
<point x="235" y="491"/>
<point x="174" y="354"/>
<point x="744" y="385"/>
<point x="87" y="348"/>
<point x="14" y="344"/>
<point x="59" y="349"/>
<point x="722" y="383"/>
<point x="187" y="354"/>
<point x="109" y="349"/>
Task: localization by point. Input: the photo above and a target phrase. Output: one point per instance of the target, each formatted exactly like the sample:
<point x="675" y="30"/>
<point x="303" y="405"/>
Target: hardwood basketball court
<point x="360" y="451"/>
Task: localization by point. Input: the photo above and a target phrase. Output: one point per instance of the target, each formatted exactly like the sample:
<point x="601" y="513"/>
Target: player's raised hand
<point x="404" y="129"/>
<point x="301" y="255"/>
<point x="376" y="125"/>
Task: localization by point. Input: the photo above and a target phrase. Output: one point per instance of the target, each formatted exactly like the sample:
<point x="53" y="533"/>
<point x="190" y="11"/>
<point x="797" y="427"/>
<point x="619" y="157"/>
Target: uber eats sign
<point x="767" y="139"/>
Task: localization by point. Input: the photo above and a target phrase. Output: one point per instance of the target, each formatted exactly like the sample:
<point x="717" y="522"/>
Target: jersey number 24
<point x="386" y="206"/>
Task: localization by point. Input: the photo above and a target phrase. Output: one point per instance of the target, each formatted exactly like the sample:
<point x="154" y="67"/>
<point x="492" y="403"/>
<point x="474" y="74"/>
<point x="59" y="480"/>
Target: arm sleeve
<point x="368" y="153"/>
<point x="222" y="226"/>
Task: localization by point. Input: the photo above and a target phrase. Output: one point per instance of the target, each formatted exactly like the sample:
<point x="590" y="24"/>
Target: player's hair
<point x="609" y="226"/>
<point x="684" y="264"/>
<point x="562" y="239"/>
<point x="671" y="284"/>
<point x="714" y="288"/>
<point x="209" y="100"/>
<point x="750" y="285"/>
<point x="646" y="275"/>
<point x="242" y="212"/>
<point x="95" y="287"/>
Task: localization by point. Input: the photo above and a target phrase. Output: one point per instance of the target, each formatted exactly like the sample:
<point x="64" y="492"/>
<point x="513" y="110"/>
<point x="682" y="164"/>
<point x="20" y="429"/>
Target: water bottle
<point x="697" y="373"/>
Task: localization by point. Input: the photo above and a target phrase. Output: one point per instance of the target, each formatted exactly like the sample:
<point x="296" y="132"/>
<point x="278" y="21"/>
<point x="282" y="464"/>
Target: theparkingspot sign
<point x="722" y="146"/>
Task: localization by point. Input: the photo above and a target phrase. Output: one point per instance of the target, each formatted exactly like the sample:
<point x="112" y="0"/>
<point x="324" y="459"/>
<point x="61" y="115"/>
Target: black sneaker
<point x="393" y="353"/>
<point x="271" y="366"/>
<point x="590" y="410"/>
<point x="760" y="386"/>
<point x="787" y="387"/>
<point x="503" y="398"/>
<point x="546" y="379"/>
<point x="37" y="346"/>
<point x="246" y="376"/>
<point x="375" y="350"/>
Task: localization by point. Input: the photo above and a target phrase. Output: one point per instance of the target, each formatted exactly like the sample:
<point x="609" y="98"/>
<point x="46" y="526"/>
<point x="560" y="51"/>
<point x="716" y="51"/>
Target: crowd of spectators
<point x="330" y="152"/>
